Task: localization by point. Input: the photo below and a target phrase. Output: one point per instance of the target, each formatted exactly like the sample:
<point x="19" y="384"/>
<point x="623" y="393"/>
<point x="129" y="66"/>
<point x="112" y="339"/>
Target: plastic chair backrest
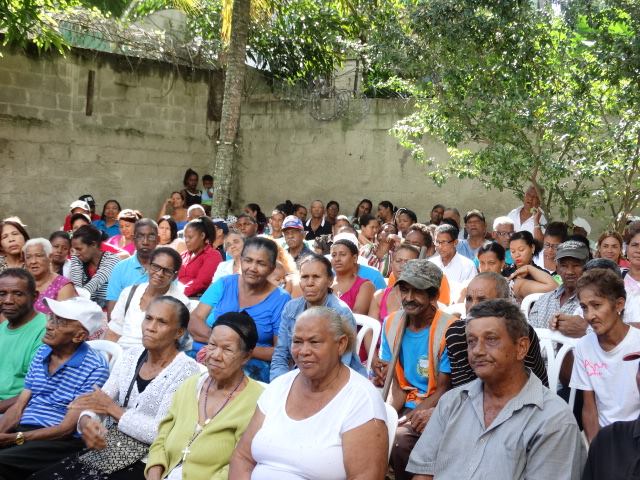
<point x="527" y="303"/>
<point x="110" y="350"/>
<point x="548" y="340"/>
<point x="392" y="424"/>
<point x="367" y="324"/>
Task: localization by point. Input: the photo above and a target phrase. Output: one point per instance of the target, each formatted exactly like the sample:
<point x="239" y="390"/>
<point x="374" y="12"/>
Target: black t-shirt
<point x="192" y="198"/>
<point x="615" y="453"/>
<point x="325" y="228"/>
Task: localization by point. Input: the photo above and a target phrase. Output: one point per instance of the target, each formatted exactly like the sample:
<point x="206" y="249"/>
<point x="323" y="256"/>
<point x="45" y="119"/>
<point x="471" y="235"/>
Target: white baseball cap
<point x="79" y="204"/>
<point x="582" y="223"/>
<point x="81" y="309"/>
<point x="350" y="237"/>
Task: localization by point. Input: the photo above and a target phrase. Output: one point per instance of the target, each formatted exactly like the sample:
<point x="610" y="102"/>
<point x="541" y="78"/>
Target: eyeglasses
<point x="152" y="237"/>
<point x="56" y="321"/>
<point x="503" y="234"/>
<point x="443" y="242"/>
<point x="550" y="246"/>
<point x="167" y="272"/>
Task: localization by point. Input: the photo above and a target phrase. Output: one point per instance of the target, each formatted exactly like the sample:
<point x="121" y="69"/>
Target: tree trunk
<point x="230" y="118"/>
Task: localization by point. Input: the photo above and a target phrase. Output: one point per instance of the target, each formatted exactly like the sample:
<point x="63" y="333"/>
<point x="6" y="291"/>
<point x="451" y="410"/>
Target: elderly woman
<point x="199" y="261"/>
<point x="60" y="251"/>
<point x="90" y="266"/>
<point x="198" y="436"/>
<point x="314" y="422"/>
<point x="13" y="236"/>
<point x="108" y="222"/>
<point x="168" y="234"/>
<point x="178" y="209"/>
<point x="134" y="400"/>
<point x="127" y="219"/>
<point x="355" y="291"/>
<point x="37" y="257"/>
<point x="526" y="276"/>
<point x="233" y="245"/>
<point x="130" y="309"/>
<point x="250" y="292"/>
<point x="316" y="277"/>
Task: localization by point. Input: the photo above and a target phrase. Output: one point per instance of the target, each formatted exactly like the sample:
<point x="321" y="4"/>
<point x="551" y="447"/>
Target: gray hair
<point x="502" y="286"/>
<point x="502" y="221"/>
<point x="43" y="242"/>
<point x="338" y="324"/>
<point x="514" y="319"/>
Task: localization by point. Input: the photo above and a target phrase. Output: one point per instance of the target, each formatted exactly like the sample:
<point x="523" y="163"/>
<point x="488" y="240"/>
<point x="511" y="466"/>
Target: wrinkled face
<point x="491" y="350"/>
<point x="479" y="290"/>
<point x="342" y="260"/>
<point x="16" y="300"/>
<point x="224" y="355"/>
<point x="11" y="240"/>
<point x="294" y="237"/>
<point x="521" y="252"/>
<point x="551" y="247"/>
<point x="531" y="199"/>
<point x="60" y="251"/>
<point x="36" y="260"/>
<point x="162" y="271"/>
<point x="570" y="270"/>
<point x="145" y="239"/>
<point x="127" y="229"/>
<point x="256" y="266"/>
<point x="301" y="213"/>
<point x="633" y="251"/>
<point x="317" y="210"/>
<point x="400" y="259"/>
<point x="83" y="251"/>
<point x="445" y="245"/>
<point x="489" y="262"/>
<point x="436" y="215"/>
<point x="161" y="327"/>
<point x="600" y="312"/>
<point x="196" y="213"/>
<point x="111" y="210"/>
<point x="314" y="282"/>
<point x="61" y="332"/>
<point x="246" y="227"/>
<point x="415" y="238"/>
<point x="502" y="234"/>
<point x="276" y="222"/>
<point x="176" y="201"/>
<point x="370" y="231"/>
<point x="404" y="222"/>
<point x="164" y="233"/>
<point x="314" y="348"/>
<point x="475" y="227"/>
<point x="610" y="249"/>
<point x="415" y="302"/>
<point x="192" y="182"/>
<point x="233" y="244"/>
<point x="194" y="239"/>
<point x="332" y="211"/>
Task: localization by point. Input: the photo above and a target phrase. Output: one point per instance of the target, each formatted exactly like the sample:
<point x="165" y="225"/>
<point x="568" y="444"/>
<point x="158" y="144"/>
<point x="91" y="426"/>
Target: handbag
<point x="122" y="450"/>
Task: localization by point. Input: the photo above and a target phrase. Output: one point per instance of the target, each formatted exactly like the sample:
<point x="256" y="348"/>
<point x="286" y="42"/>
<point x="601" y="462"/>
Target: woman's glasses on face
<point x="166" y="272"/>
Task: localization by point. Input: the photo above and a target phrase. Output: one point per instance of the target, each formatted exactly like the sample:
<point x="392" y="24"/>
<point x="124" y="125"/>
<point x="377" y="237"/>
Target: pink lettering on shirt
<point x="594" y="369"/>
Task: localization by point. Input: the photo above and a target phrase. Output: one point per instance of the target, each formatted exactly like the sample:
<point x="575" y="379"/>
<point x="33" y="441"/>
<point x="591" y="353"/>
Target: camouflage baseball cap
<point x="421" y="274"/>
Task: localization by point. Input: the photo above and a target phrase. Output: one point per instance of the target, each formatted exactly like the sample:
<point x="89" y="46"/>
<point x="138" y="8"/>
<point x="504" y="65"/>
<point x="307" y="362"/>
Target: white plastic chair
<point x="367" y="324"/>
<point x="392" y="425"/>
<point x="527" y="303"/>
<point x="554" y="360"/>
<point x="456" y="308"/>
<point x="110" y="350"/>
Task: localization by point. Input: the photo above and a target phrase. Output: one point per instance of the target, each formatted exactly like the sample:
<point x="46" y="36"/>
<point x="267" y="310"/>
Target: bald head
<point x="486" y="286"/>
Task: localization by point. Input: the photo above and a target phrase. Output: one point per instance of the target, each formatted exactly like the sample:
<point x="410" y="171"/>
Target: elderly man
<point x="133" y="270"/>
<point x="486" y="286"/>
<point x="421" y="374"/>
<point x="293" y="231"/>
<point x="476" y="226"/>
<point x="20" y="335"/>
<point x="503" y="229"/>
<point x="38" y="430"/>
<point x="505" y="425"/>
<point x="317" y="225"/>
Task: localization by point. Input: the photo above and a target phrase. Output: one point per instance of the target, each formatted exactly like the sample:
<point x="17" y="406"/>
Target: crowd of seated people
<point x="132" y="345"/>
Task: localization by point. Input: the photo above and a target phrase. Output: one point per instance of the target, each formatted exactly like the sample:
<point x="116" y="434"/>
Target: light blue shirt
<point x="373" y="275"/>
<point x="282" y="359"/>
<point x="126" y="273"/>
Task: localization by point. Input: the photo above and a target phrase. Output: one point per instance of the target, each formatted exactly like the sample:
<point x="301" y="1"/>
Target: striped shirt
<point x="461" y="371"/>
<point x="96" y="285"/>
<point x="52" y="394"/>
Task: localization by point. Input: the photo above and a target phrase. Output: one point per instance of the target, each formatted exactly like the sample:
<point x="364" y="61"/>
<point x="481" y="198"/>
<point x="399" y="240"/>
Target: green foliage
<point x="519" y="96"/>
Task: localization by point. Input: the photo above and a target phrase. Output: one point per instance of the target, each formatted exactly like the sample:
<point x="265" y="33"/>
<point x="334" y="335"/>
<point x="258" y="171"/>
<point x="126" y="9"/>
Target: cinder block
<point x="13" y="95"/>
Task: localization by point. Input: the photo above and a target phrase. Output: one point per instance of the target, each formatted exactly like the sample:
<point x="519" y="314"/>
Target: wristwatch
<point x="19" y="438"/>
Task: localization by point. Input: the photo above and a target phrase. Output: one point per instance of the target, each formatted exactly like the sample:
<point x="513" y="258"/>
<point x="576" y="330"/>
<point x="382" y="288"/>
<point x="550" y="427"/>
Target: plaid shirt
<point x="548" y="305"/>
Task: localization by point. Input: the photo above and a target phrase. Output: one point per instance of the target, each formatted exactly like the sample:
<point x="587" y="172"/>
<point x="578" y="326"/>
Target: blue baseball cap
<point x="292" y="222"/>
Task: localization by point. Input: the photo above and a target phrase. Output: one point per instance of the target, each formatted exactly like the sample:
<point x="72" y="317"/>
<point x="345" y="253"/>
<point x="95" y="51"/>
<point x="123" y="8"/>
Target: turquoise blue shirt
<point x="111" y="231"/>
<point x="126" y="273"/>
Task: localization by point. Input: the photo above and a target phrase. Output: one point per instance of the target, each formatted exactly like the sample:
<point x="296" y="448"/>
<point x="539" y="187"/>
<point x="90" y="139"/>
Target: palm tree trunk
<point x="230" y="118"/>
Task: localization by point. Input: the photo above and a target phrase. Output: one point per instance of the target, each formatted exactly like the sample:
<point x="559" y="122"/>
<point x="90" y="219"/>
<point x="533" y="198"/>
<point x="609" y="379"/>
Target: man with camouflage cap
<point x="416" y="333"/>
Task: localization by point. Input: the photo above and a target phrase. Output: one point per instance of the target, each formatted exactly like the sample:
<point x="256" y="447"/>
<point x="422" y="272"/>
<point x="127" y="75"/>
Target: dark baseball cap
<point x="474" y="213"/>
<point x="87" y="197"/>
<point x="421" y="274"/>
<point x="572" y="249"/>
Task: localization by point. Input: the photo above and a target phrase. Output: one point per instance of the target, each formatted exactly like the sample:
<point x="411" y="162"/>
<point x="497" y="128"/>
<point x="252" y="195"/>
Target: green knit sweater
<point x="211" y="450"/>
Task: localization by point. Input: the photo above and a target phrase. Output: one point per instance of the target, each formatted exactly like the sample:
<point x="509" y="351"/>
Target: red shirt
<point x="197" y="270"/>
<point x="67" y="221"/>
